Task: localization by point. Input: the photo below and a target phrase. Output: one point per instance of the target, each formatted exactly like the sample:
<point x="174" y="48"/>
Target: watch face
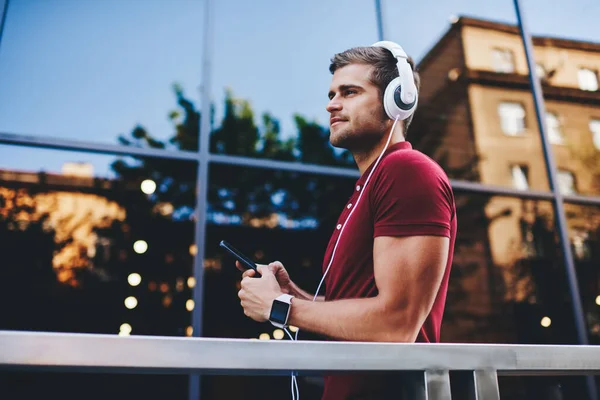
<point x="279" y="311"/>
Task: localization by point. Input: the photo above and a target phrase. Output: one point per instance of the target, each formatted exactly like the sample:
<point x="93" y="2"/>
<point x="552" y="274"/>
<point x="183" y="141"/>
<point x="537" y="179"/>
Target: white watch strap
<point x="286" y="298"/>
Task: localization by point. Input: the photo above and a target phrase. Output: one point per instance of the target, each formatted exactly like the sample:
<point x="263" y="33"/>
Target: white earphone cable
<point x="294" y="381"/>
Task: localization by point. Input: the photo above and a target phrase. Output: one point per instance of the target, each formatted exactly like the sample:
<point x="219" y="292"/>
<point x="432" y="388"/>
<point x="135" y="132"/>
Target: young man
<point x="388" y="278"/>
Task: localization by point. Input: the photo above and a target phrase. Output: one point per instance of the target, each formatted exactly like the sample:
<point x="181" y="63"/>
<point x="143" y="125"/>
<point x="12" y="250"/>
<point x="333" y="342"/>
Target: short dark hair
<point x="385" y="68"/>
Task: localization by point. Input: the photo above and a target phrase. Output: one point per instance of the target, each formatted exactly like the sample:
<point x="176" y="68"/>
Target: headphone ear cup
<point x="392" y="101"/>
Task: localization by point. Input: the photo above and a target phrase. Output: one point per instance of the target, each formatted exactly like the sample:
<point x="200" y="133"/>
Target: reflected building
<point x="71" y="204"/>
<point x="89" y="255"/>
<point x="477" y="119"/>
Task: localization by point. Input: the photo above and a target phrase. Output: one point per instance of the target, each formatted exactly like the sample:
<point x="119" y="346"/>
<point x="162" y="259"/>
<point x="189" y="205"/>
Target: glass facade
<point x="135" y="139"/>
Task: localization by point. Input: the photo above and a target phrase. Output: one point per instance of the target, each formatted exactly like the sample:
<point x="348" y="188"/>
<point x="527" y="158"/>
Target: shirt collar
<point x="391" y="148"/>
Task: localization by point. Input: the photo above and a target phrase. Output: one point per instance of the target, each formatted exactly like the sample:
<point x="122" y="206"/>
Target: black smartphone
<point x="245" y="261"/>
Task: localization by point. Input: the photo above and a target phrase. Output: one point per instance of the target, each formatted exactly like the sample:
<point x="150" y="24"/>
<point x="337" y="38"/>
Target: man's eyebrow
<point x="345" y="87"/>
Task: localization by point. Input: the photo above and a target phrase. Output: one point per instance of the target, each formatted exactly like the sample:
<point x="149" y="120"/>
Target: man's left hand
<point x="257" y="294"/>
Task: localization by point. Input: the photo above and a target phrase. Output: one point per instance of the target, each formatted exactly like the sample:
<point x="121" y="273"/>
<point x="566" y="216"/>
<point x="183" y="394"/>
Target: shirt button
<point x="339" y="226"/>
<point x="358" y="188"/>
<point x="349" y="205"/>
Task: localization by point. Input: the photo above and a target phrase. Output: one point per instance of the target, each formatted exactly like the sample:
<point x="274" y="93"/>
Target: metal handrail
<point x="155" y="354"/>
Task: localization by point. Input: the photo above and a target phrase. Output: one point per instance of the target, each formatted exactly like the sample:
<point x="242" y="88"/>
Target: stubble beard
<point x="358" y="141"/>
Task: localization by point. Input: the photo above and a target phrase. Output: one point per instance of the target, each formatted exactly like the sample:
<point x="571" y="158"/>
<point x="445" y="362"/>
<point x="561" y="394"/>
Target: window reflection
<point x="66" y="74"/>
<point x="84" y="248"/>
<point x="476" y="113"/>
<point x="508" y="284"/>
<point x="584" y="232"/>
<point x="268" y="215"/>
<point x="85" y="243"/>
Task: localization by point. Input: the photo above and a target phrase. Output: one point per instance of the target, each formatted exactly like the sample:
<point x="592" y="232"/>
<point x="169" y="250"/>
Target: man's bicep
<point x="408" y="273"/>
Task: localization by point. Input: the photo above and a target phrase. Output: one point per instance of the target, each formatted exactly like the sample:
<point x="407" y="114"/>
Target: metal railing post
<point x="485" y="385"/>
<point x="437" y="385"/>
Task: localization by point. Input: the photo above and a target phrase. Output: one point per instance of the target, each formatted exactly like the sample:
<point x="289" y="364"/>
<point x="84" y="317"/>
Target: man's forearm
<point x="353" y="320"/>
<point x="297" y="292"/>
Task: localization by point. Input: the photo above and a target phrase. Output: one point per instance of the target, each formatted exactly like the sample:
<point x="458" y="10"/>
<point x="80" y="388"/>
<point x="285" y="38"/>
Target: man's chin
<point x="338" y="143"/>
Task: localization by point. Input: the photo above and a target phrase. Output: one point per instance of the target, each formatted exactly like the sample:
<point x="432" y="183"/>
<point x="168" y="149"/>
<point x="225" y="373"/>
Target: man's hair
<point x="385" y="68"/>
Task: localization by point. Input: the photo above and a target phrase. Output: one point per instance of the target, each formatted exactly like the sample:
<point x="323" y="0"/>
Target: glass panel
<point x="568" y="46"/>
<point x="95" y="244"/>
<point x="509" y="285"/>
<point x="274" y="106"/>
<point x="476" y="111"/>
<point x="96" y="70"/>
<point x="112" y="236"/>
<point x="268" y="215"/>
<point x="584" y="233"/>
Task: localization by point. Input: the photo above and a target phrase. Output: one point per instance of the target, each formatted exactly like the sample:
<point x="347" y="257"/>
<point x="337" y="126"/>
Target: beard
<point x="359" y="137"/>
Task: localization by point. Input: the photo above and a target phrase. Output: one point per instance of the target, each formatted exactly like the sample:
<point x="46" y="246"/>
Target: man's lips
<point x="335" y="120"/>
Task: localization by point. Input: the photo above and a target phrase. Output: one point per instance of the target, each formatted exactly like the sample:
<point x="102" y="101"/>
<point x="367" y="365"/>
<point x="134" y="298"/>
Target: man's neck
<point x="365" y="159"/>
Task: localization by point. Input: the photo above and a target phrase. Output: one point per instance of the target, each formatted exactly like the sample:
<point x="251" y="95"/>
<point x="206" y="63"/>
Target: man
<point x="389" y="276"/>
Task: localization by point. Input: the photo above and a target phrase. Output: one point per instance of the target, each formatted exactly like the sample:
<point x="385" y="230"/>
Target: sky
<point x="91" y="70"/>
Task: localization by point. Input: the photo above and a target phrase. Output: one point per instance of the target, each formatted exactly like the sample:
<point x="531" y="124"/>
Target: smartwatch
<point x="280" y="310"/>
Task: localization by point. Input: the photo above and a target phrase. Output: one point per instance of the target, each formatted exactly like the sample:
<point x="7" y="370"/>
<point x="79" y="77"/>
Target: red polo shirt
<point x="408" y="194"/>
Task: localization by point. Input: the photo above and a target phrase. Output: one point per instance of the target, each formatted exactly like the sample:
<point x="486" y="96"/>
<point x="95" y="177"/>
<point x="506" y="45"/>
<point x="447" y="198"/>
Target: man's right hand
<point x="281" y="274"/>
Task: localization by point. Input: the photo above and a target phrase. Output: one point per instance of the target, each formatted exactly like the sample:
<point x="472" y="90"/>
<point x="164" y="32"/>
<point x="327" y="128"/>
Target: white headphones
<point x="400" y="97"/>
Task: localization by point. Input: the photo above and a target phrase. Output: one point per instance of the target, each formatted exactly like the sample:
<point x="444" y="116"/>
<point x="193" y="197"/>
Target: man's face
<point x="357" y="119"/>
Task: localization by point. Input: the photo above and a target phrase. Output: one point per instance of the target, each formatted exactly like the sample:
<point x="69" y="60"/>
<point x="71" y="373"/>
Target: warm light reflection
<point x="193" y="249"/>
<point x="179" y="284"/>
<point x="134" y="279"/>
<point x="293" y="328"/>
<point x="148" y="186"/>
<point x="140" y="246"/>
<point x="85" y="213"/>
<point x="124" y="329"/>
<point x="598" y="300"/>
<point x="164" y="288"/>
<point x="131" y="302"/>
<point x="189" y="305"/>
<point x="278" y="334"/>
<point x="189" y="331"/>
<point x="167" y="301"/>
<point x="546" y="322"/>
<point x="191" y="282"/>
<point x="264" y="336"/>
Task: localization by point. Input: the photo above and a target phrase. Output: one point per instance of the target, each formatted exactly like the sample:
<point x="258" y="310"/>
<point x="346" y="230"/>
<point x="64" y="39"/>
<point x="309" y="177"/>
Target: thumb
<point x="264" y="270"/>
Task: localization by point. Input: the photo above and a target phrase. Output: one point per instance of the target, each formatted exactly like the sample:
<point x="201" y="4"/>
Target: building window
<point x="595" y="129"/>
<point x="566" y="182"/>
<point x="555" y="134"/>
<point x="581" y="244"/>
<point x="588" y="79"/>
<point x="540" y="71"/>
<point x="512" y="118"/>
<point x="520" y="177"/>
<point x="503" y="61"/>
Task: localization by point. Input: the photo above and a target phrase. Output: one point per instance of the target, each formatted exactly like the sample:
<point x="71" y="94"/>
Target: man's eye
<point x="350" y="91"/>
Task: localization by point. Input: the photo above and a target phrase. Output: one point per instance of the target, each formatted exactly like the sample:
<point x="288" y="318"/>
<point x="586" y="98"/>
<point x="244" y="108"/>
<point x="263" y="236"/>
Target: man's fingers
<point x="240" y="266"/>
<point x="265" y="269"/>
<point x="275" y="265"/>
<point x="248" y="274"/>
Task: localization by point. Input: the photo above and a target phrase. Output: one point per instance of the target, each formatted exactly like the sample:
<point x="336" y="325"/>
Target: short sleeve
<point x="411" y="196"/>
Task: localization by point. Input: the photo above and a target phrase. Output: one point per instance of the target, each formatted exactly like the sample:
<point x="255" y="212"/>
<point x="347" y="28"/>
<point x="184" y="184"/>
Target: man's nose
<point x="333" y="105"/>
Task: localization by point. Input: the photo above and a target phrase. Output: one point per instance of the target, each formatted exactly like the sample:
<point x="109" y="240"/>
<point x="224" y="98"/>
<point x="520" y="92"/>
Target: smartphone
<point x="245" y="261"/>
